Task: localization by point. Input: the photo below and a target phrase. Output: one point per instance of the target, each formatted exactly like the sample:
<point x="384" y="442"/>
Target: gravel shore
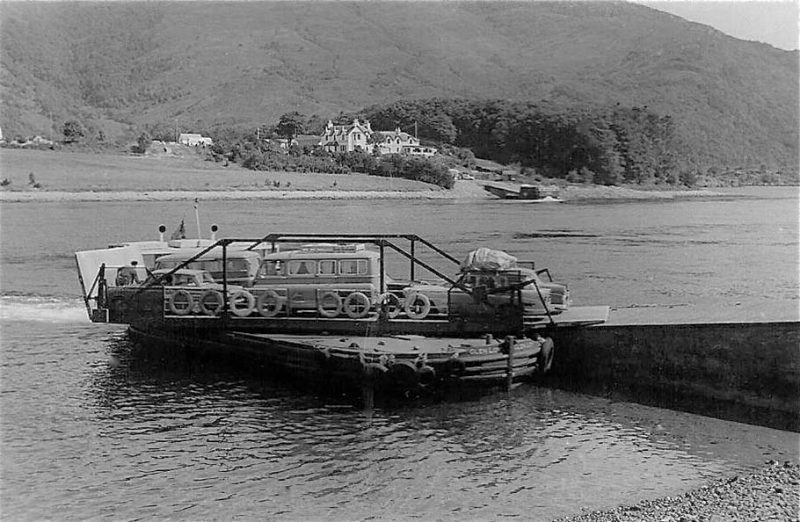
<point x="771" y="492"/>
<point x="463" y="190"/>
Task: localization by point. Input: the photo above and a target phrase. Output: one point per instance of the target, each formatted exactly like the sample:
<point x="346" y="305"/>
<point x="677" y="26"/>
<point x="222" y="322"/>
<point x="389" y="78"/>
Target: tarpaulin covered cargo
<point x="488" y="259"/>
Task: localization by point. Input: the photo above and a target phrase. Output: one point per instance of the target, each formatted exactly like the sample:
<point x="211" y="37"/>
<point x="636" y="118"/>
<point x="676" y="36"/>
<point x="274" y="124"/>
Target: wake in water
<point x="42" y="309"/>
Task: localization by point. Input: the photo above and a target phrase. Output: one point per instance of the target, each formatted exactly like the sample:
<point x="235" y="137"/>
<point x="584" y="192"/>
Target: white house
<point x="346" y="138"/>
<point x="193" y="140"/>
<point x="358" y="135"/>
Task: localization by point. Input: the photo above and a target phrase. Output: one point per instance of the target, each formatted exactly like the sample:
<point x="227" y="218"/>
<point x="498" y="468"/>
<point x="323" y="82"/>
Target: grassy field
<point x="83" y="172"/>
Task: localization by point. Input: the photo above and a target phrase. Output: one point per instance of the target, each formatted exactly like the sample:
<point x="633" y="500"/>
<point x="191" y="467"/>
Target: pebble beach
<point x="771" y="492"/>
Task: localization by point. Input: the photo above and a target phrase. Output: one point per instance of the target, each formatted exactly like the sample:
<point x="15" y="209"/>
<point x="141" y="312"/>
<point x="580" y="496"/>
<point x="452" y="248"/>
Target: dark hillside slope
<point x="733" y="102"/>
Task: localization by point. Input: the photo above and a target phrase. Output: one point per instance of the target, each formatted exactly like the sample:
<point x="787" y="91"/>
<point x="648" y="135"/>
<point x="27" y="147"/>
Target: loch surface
<point x="91" y="430"/>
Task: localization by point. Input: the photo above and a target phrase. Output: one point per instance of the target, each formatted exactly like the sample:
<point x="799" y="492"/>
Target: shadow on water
<point x="139" y="370"/>
<point x="135" y="368"/>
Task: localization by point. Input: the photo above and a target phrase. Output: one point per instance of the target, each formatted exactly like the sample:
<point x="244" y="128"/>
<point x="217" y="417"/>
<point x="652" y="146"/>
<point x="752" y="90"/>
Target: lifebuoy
<point x="356" y="305"/>
<point x="390" y="305"/>
<point x="417" y="306"/>
<point x="427" y="375"/>
<point x="175" y="304"/>
<point x="242" y="297"/>
<point x="404" y="375"/>
<point x="213" y="298"/>
<point x="547" y="353"/>
<point x="455" y="367"/>
<point x="327" y="298"/>
<point x="373" y="372"/>
<point x="269" y="304"/>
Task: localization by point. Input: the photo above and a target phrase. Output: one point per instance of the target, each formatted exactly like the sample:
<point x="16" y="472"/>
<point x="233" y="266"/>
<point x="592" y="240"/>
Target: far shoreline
<point x="569" y="194"/>
<point x="92" y="177"/>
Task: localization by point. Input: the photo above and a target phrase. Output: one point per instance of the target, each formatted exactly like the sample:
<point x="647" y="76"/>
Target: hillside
<point x="118" y="65"/>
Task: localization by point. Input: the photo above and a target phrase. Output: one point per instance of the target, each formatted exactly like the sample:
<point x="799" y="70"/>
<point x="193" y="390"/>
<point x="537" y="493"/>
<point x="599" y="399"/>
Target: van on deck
<point x="242" y="265"/>
<point x="324" y="278"/>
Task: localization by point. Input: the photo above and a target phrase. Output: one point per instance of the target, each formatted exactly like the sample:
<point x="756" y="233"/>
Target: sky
<point x="772" y="22"/>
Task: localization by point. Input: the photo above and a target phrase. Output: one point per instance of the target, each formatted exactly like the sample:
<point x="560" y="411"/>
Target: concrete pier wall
<point x="748" y="372"/>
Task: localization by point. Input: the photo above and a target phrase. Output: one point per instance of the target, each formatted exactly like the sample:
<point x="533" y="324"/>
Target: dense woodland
<point x="593" y="145"/>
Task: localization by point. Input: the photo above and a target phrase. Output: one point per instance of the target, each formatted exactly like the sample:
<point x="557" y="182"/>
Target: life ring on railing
<point x="174" y="303"/>
<point x="373" y="372"/>
<point x="324" y="300"/>
<point x="404" y="375"/>
<point x="455" y="367"/>
<point x="390" y="305"/>
<point x="356" y="305"/>
<point x="417" y="306"/>
<point x="269" y="304"/>
<point x="427" y="375"/>
<point x="213" y="298"/>
<point x="238" y="298"/>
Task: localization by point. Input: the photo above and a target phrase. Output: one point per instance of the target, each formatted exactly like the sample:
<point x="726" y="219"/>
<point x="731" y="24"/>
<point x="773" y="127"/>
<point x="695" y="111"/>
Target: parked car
<point x="437" y="299"/>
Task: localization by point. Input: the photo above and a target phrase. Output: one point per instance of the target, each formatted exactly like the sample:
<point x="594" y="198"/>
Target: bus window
<point x="301" y="267"/>
<point x="237" y="265"/>
<point x="353" y="267"/>
<point x="271" y="268"/>
<point x="327" y="267"/>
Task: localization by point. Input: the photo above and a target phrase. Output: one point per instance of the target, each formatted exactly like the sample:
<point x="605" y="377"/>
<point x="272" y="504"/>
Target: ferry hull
<point x="408" y="366"/>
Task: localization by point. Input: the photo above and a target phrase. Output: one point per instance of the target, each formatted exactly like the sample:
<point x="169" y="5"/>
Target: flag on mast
<point x="180" y="232"/>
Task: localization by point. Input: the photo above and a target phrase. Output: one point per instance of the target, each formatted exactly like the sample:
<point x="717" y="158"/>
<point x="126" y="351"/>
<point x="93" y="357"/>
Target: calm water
<point x="92" y="431"/>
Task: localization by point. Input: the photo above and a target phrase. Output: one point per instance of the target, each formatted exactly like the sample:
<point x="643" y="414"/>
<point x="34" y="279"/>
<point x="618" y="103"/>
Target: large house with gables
<point x="346" y="138"/>
<point x="360" y="136"/>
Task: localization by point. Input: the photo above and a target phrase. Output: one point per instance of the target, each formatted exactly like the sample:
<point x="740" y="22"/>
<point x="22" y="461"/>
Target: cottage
<point x="394" y="142"/>
<point x="194" y="140"/>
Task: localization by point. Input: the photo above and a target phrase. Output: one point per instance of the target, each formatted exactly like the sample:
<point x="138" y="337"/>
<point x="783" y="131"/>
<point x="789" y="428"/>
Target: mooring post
<point x="510" y="341"/>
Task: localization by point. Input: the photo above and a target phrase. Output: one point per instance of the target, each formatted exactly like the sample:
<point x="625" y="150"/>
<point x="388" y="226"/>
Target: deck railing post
<point x="510" y="341"/>
<point x="224" y="285"/>
<point x="383" y="268"/>
<point x="412" y="260"/>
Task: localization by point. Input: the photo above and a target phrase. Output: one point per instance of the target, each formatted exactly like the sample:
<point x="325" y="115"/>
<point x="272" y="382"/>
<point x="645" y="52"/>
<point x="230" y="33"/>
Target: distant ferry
<point x="531" y="193"/>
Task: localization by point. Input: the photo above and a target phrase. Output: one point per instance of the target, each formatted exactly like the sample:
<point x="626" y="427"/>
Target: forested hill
<point x="117" y="66"/>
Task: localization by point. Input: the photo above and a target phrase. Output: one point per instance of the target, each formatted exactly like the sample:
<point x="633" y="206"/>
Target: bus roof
<point x="215" y="253"/>
<point x="321" y="252"/>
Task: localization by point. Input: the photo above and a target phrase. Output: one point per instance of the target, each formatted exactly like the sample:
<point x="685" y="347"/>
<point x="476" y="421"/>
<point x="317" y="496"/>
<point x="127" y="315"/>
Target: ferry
<point x="527" y="193"/>
<point x="323" y="306"/>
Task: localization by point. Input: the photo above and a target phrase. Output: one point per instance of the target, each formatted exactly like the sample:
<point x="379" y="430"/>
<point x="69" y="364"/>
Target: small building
<point x="281" y="143"/>
<point x="394" y="142"/>
<point x="419" y="150"/>
<point x="194" y="140"/>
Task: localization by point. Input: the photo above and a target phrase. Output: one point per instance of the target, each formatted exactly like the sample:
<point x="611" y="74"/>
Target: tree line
<point x="605" y="145"/>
